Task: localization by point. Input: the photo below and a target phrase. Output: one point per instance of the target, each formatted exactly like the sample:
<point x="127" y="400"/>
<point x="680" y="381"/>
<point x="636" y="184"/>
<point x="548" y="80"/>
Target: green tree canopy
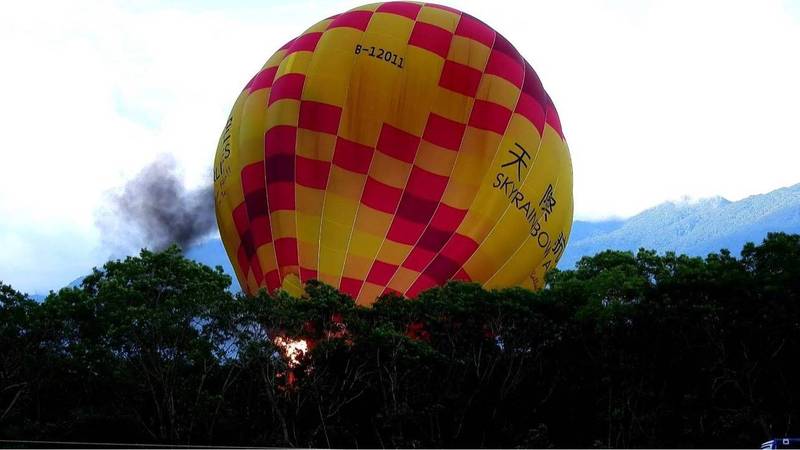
<point x="626" y="350"/>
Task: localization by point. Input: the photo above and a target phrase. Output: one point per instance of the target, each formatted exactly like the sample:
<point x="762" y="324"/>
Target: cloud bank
<point x="658" y="99"/>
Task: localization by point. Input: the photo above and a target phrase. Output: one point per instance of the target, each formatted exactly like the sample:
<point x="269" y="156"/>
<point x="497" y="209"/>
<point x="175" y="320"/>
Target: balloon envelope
<point x="392" y="148"/>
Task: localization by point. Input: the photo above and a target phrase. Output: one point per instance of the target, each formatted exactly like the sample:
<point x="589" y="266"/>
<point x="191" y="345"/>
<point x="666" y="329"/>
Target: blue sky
<point x="659" y="100"/>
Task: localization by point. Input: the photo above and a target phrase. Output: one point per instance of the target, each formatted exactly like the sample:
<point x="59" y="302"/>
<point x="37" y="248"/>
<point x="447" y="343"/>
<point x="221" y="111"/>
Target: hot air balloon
<point x="392" y="148"/>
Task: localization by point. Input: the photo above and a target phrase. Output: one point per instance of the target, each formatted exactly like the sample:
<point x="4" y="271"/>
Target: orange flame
<point x="294" y="349"/>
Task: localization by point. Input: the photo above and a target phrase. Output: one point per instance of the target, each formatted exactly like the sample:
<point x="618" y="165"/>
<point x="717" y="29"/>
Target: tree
<point x="627" y="350"/>
<point x="19" y="351"/>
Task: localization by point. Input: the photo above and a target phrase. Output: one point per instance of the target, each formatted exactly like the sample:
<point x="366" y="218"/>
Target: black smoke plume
<point x="155" y="210"/>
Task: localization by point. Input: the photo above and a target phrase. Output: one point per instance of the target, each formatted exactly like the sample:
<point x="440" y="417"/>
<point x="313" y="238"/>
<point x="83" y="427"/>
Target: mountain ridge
<point x="695" y="228"/>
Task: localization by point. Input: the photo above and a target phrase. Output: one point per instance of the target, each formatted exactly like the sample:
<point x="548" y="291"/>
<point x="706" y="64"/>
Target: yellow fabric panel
<point x="251" y="131"/>
<point x="480" y="267"/>
<point x="328" y="76"/>
<point x="372" y="221"/>
<point x="331" y="259"/>
<point x="478" y="149"/>
<point x="315" y="145"/>
<point x="459" y="194"/>
<point x="308" y="253"/>
<point x="345" y="184"/>
<point x="435" y="159"/>
<point x="246" y="142"/>
<point x="365" y="244"/>
<point x="337" y="222"/>
<point x="398" y="27"/>
<point x="452" y="105"/>
<point x="403" y="279"/>
<point x="282" y="112"/>
<point x="309" y="200"/>
<point x="308" y="241"/>
<point x="333" y="237"/>
<point x="329" y="278"/>
<point x="338" y="40"/>
<point x="309" y="204"/>
<point x="417" y="90"/>
<point x="308" y="230"/>
<point x="487" y="207"/>
<point x="373" y="92"/>
<point x="356" y="266"/>
<point x="497" y="90"/>
<point x="439" y="17"/>
<point x="292" y="285"/>
<point x="296" y="62"/>
<point x="393" y="252"/>
<point x="340" y="211"/>
<point x="389" y="170"/>
<point x="369" y="291"/>
<point x="476" y="224"/>
<point x="468" y="52"/>
<point x="266" y="253"/>
<point x="283" y="224"/>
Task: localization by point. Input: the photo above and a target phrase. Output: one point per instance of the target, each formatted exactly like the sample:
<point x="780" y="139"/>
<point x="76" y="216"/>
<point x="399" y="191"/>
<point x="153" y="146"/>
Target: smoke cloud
<point x="155" y="210"/>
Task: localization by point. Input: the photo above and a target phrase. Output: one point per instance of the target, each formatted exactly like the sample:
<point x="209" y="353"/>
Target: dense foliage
<point x="624" y="351"/>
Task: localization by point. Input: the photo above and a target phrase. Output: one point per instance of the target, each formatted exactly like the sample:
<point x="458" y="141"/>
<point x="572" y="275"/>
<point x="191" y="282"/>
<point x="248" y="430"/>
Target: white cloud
<point x="95" y="91"/>
<point x="658" y="100"/>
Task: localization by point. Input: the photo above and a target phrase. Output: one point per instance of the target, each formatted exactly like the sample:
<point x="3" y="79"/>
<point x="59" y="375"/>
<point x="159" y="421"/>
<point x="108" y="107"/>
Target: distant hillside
<point x="691" y="227"/>
<point x="695" y="228"/>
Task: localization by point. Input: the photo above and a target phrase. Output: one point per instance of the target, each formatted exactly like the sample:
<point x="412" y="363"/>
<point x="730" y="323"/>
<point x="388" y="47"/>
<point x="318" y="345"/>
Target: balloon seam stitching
<point x="266" y="186"/>
<point x="472" y="202"/>
<point x="333" y="155"/>
<point x="397" y="207"/>
<point x="385" y="238"/>
<point x="296" y="143"/>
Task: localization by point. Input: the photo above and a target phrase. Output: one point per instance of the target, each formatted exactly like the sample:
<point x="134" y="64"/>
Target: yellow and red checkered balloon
<point x="392" y="148"/>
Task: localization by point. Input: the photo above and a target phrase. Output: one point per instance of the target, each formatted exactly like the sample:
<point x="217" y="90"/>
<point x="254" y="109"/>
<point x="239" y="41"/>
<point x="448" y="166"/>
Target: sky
<point x="659" y="100"/>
